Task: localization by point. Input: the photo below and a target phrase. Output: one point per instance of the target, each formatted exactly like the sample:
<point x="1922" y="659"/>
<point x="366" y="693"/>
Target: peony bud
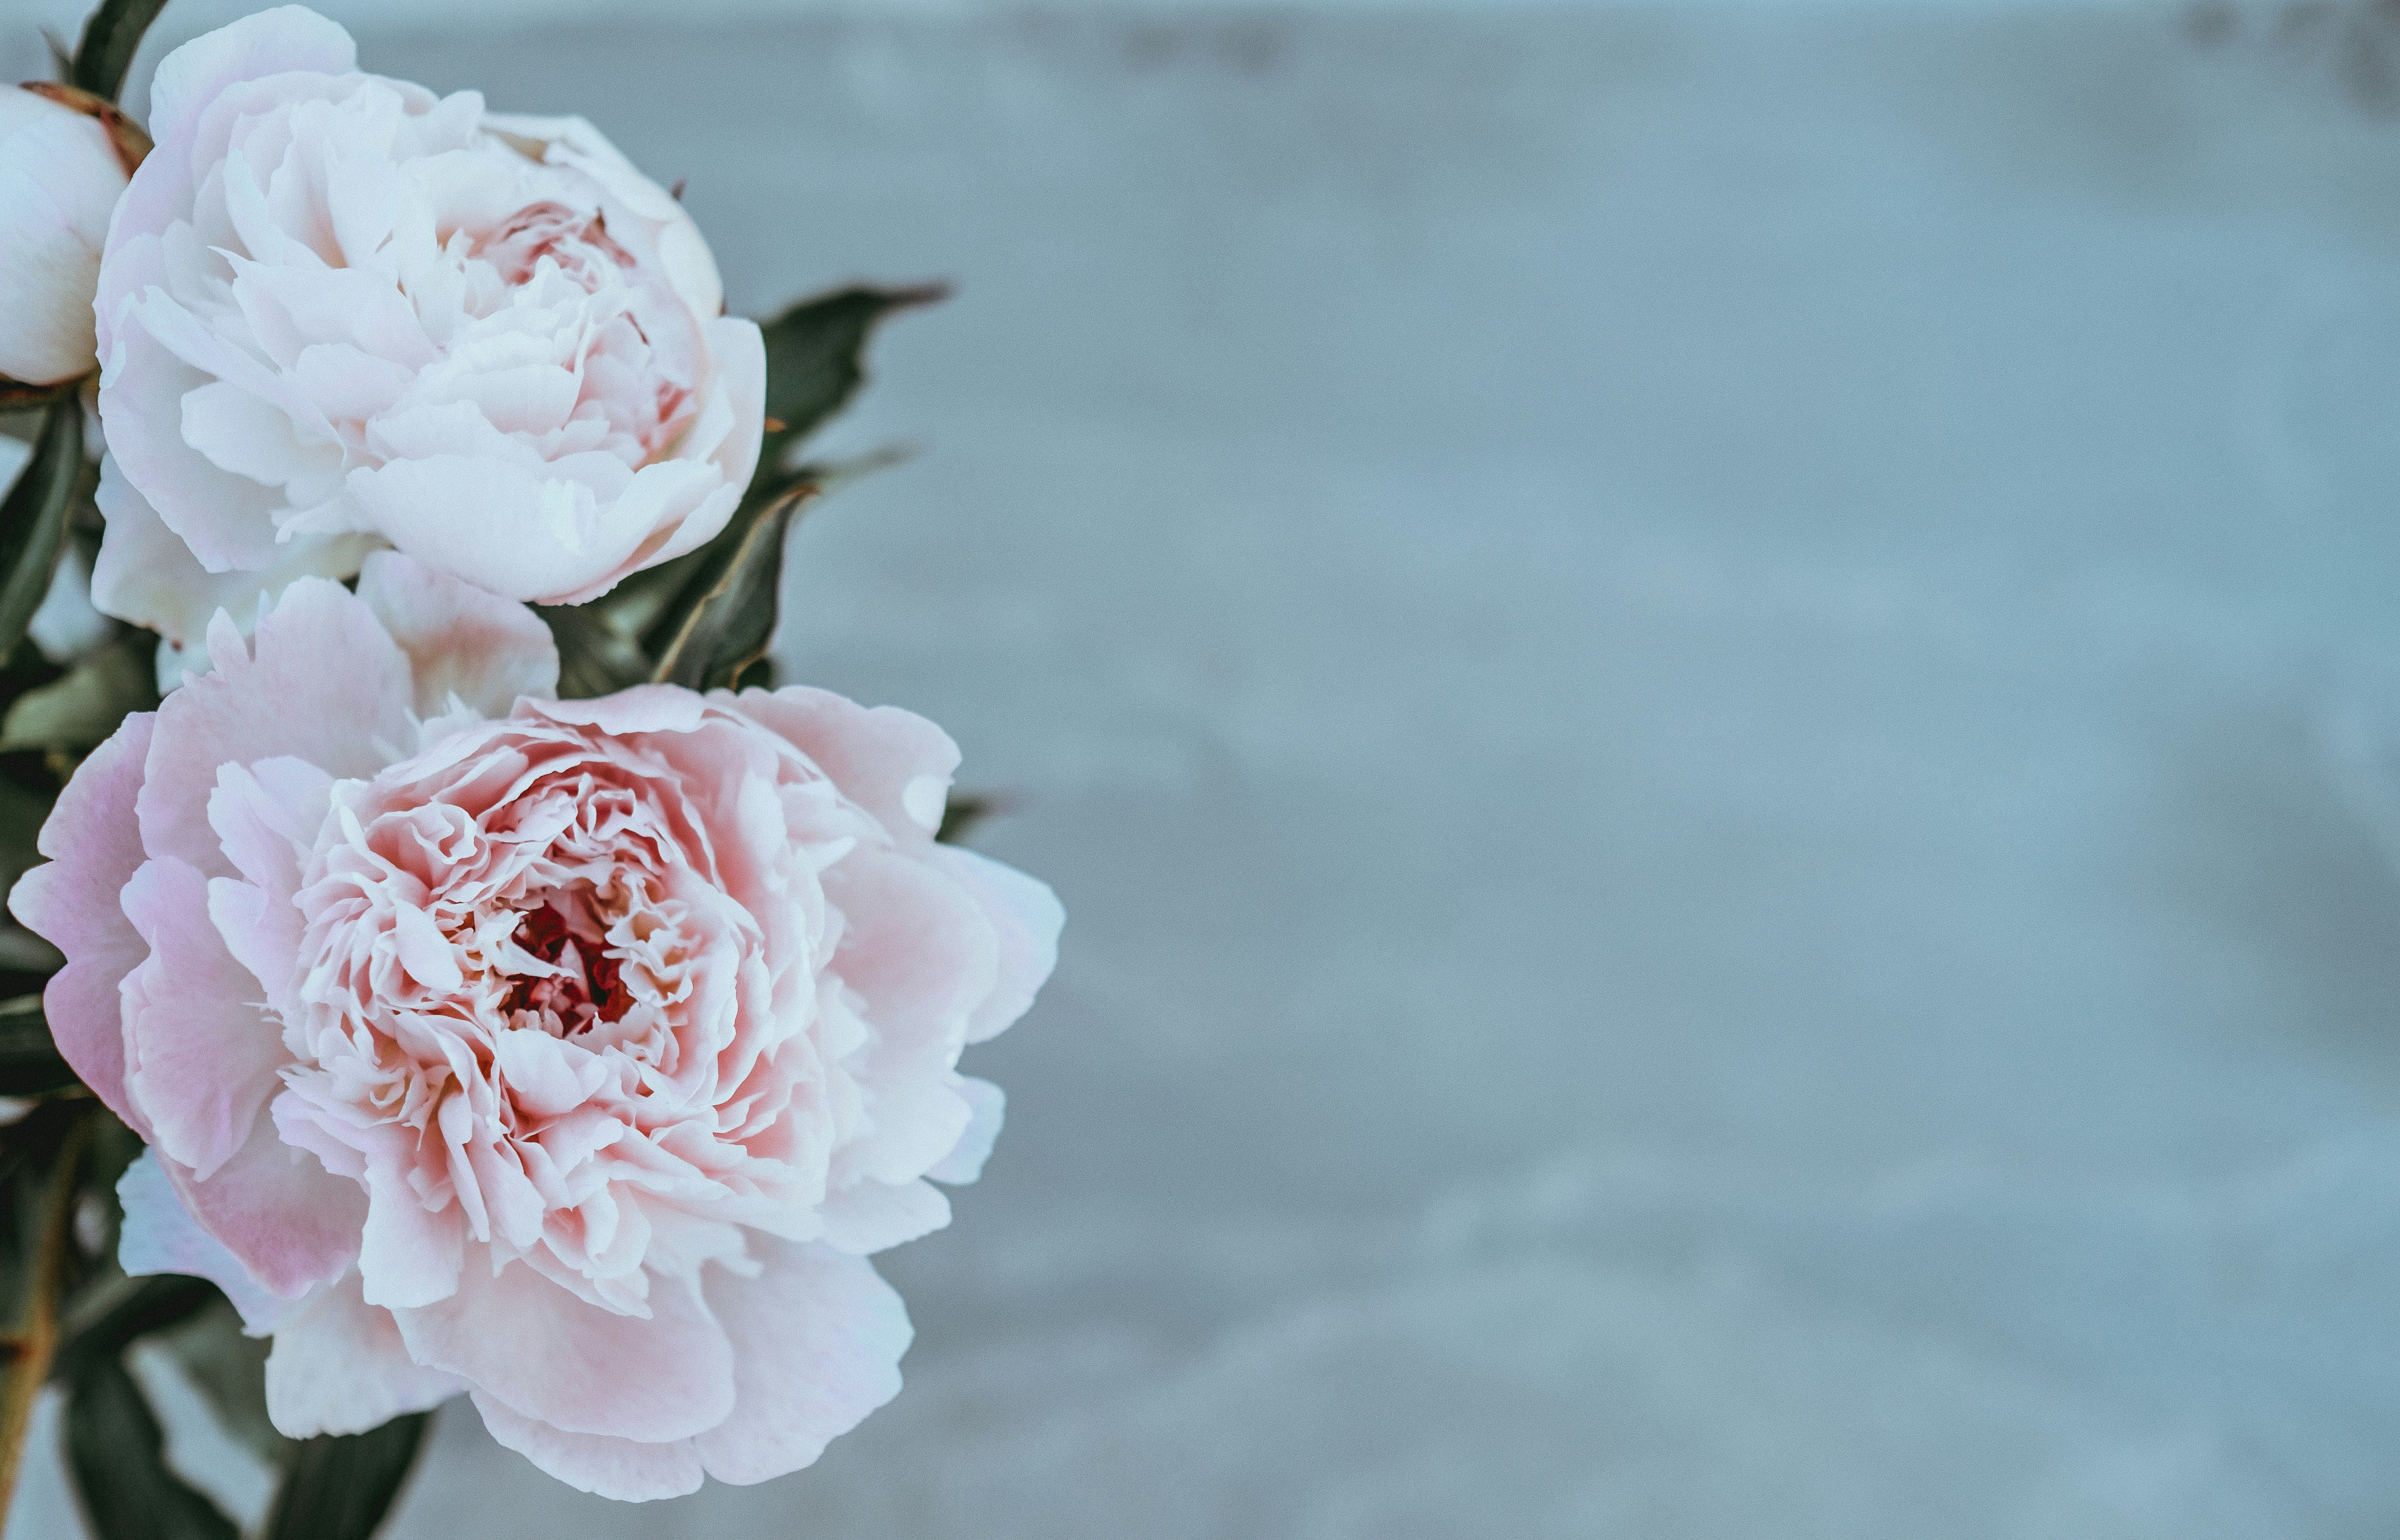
<point x="64" y="158"/>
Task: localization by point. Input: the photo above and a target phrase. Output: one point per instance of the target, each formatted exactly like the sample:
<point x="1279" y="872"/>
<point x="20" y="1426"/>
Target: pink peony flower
<point x="571" y="1053"/>
<point x="337" y="312"/>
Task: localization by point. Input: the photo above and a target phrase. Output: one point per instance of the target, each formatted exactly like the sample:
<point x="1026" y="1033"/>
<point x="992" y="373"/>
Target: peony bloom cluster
<point x="574" y="1054"/>
<point x="338" y="313"/>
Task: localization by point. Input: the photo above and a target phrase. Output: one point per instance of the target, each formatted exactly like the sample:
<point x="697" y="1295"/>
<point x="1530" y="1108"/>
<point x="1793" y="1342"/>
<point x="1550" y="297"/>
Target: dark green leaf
<point x="340" y="1488"/>
<point x="109" y="41"/>
<point x="28" y="1060"/>
<point x="719" y="624"/>
<point x="812" y="361"/>
<point x="597" y="654"/>
<point x="118" y="1455"/>
<point x="144" y="1305"/>
<point x="230" y="1371"/>
<point x="34" y="518"/>
<point x="964" y="811"/>
<point x="76" y="712"/>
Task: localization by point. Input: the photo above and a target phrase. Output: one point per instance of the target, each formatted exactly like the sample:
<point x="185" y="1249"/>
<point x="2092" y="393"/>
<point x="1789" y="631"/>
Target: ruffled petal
<point x="986" y="1106"/>
<point x="618" y="1469"/>
<point x="148" y="575"/>
<point x="95" y="846"/>
<point x="278" y="41"/>
<point x="323" y="682"/>
<point x="289" y="1221"/>
<point x="817" y="1339"/>
<point x="1028" y="917"/>
<point x="339" y="1366"/>
<point x="159" y="1236"/>
<point x="200" y="1059"/>
<point x="461" y="640"/>
<point x="875" y="754"/>
<point x="524" y="1342"/>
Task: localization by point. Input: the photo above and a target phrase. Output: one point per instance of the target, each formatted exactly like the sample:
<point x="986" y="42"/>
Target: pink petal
<point x="867" y="1216"/>
<point x="1028" y="918"/>
<point x="95" y="846"/>
<point x="986" y="1107"/>
<point x="644" y="708"/>
<point x="339" y="1366"/>
<point x="618" y="1469"/>
<point x="323" y="682"/>
<point x="873" y="754"/>
<point x="408" y="1255"/>
<point x="918" y="950"/>
<point x="460" y="640"/>
<point x="200" y="1059"/>
<point x="160" y="1236"/>
<point x="291" y="1224"/>
<point x="817" y="1340"/>
<point x="524" y="1342"/>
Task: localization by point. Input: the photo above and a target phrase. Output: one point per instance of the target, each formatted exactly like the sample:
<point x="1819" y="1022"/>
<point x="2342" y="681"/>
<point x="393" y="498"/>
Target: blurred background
<point x="1714" y="691"/>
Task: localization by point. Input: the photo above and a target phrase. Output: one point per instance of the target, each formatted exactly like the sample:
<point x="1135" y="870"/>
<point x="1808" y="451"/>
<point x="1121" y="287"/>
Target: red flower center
<point x="589" y="986"/>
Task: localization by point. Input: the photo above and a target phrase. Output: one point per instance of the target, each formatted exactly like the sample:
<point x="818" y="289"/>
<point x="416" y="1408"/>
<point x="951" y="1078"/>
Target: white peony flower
<point x="338" y="312"/>
<point x="60" y="172"/>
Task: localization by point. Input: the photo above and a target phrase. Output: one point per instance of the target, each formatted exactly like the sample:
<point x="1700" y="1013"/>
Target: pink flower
<point x="571" y="1053"/>
<point x="337" y="312"/>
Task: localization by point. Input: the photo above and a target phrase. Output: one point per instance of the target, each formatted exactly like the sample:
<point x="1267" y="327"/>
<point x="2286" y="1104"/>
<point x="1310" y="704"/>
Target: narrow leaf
<point x="109" y="41"/>
<point x="340" y="1488"/>
<point x="75" y="713"/>
<point x="813" y="361"/>
<point x="118" y="1455"/>
<point x="719" y="625"/>
<point x="28" y="1060"/>
<point x="34" y="518"/>
<point x="145" y="1305"/>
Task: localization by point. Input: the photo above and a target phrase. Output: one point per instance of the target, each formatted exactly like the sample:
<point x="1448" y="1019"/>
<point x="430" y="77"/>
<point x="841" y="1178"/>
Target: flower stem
<point x="25" y="1353"/>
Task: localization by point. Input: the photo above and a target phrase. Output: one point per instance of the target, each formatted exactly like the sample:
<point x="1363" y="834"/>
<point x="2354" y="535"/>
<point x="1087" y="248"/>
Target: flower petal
<point x="461" y="640"/>
<point x="95" y="846"/>
<point x="201" y="1059"/>
<point x="339" y="1366"/>
<point x="159" y="1236"/>
<point x="291" y="1223"/>
<point x="1028" y="918"/>
<point x="817" y="1340"/>
<point x="526" y="1343"/>
<point x="618" y="1469"/>
<point x="323" y="682"/>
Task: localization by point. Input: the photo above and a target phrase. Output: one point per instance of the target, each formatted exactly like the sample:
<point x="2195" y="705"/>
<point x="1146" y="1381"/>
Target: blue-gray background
<point x="1712" y="693"/>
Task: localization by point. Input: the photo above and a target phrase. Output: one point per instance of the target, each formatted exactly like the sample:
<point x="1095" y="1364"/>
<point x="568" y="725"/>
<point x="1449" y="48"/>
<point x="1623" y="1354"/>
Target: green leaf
<point x="109" y="41"/>
<point x="812" y="361"/>
<point x="340" y="1488"/>
<point x="118" y="1455"/>
<point x="29" y="1064"/>
<point x="34" y="518"/>
<point x="598" y="655"/>
<point x="75" y="712"/>
<point x="963" y="813"/>
<point x="138" y="1306"/>
<point x="21" y="814"/>
<point x="719" y="626"/>
<point x="229" y="1369"/>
